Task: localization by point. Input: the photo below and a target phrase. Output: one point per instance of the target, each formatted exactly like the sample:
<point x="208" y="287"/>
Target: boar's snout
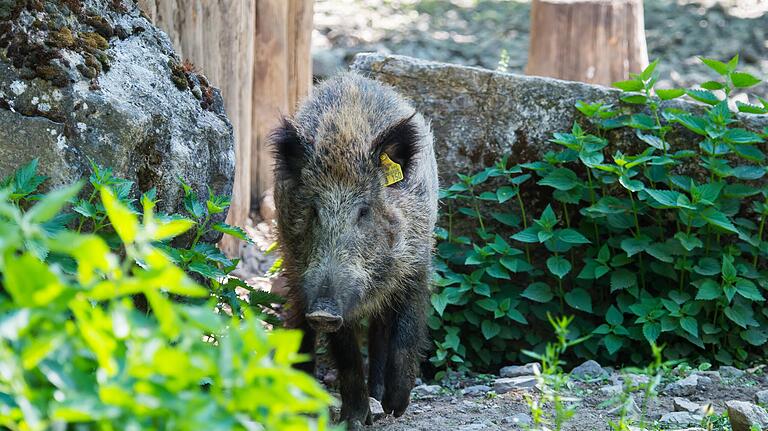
<point x="324" y="316"/>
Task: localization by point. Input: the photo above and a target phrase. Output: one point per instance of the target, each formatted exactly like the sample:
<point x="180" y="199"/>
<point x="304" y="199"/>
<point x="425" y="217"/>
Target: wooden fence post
<point x="594" y="41"/>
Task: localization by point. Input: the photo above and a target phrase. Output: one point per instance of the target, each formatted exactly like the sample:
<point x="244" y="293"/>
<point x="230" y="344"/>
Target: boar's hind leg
<point x="378" y="343"/>
<point x="354" y="395"/>
<point x="405" y="350"/>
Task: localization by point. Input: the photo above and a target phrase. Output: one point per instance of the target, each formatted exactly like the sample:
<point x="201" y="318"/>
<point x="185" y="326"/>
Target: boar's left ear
<point x="400" y="142"/>
<point x="290" y="148"/>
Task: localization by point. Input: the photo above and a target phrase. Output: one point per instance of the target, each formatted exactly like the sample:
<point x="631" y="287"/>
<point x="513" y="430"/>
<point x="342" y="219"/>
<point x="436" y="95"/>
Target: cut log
<point x="594" y="41"/>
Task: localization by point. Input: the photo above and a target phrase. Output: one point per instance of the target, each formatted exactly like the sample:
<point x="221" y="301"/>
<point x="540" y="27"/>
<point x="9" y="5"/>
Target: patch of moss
<point x="100" y="24"/>
<point x="178" y="76"/>
<point x="61" y="39"/>
<point x="55" y="74"/>
<point x="93" y="41"/>
<point x="75" y="6"/>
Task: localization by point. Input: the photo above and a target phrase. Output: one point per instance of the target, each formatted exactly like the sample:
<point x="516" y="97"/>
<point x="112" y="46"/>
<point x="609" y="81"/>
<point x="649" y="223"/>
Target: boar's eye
<point x="363" y="213"/>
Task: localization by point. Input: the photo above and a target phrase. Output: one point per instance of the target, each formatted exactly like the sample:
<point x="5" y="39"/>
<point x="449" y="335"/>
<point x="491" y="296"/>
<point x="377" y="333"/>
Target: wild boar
<point x="356" y="191"/>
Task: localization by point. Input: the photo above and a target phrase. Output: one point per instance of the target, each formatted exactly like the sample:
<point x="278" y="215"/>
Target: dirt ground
<point x="475" y="32"/>
<point x="492" y="413"/>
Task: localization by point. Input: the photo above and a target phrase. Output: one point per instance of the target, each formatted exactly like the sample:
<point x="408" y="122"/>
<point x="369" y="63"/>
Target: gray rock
<point x="611" y="390"/>
<point x="684" y="405"/>
<point x="588" y="370"/>
<point x="126" y="105"/>
<point x="761" y="398"/>
<point x="680" y="419"/>
<point x="377" y="411"/>
<point x="728" y="372"/>
<point x="476" y="390"/>
<point x="634" y="380"/>
<point x="520" y="370"/>
<point x="482" y="426"/>
<point x="424" y="391"/>
<point x="744" y="415"/>
<point x="518" y="420"/>
<point x="632" y="409"/>
<point x="688" y="386"/>
<point x="506" y="384"/>
<point x="713" y="375"/>
<point x="520" y="112"/>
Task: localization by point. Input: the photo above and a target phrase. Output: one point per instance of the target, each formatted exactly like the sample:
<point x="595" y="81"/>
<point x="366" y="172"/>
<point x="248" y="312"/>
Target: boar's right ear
<point x="290" y="148"/>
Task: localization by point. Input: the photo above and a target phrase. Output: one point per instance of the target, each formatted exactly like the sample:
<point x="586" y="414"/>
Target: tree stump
<point x="594" y="41"/>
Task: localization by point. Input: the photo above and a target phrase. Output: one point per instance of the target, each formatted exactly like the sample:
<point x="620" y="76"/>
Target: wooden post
<point x="594" y="41"/>
<point x="282" y="77"/>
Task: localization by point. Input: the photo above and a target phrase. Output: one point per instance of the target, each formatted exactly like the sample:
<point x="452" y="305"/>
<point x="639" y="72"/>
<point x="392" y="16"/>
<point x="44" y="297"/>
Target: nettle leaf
<point x="622" y="279"/>
<point x="747" y="172"/>
<point x="233" y="231"/>
<point x="653" y="140"/>
<point x="634" y="99"/>
<point x="666" y="198"/>
<point x="539" y="292"/>
<point x="749" y="108"/>
<point x="505" y="193"/>
<point x="704" y="96"/>
<point x="515" y="264"/>
<point x="712" y="85"/>
<point x="530" y="235"/>
<point x="630" y="184"/>
<point x="744" y="80"/>
<point x="572" y="236"/>
<point x="613" y="316"/>
<point x="633" y="246"/>
<point x="708" y="289"/>
<point x="613" y="343"/>
<point x="716" y="218"/>
<point x="721" y="68"/>
<point x="689" y="241"/>
<point x="558" y="266"/>
<point x="490" y="329"/>
<point x="707" y="266"/>
<point x="660" y="252"/>
<point x="742" y="136"/>
<point x="651" y="331"/>
<point x="669" y="94"/>
<point x="755" y="337"/>
<point x="560" y="179"/>
<point x="497" y="271"/>
<point x="748" y="290"/>
<point x="741" y="315"/>
<point x="690" y="325"/>
<point x="439" y="302"/>
<point x="630" y="85"/>
<point x="579" y="299"/>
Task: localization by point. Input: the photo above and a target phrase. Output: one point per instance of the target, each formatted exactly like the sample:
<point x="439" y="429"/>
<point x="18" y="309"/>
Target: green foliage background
<point x="663" y="246"/>
<point x="75" y="349"/>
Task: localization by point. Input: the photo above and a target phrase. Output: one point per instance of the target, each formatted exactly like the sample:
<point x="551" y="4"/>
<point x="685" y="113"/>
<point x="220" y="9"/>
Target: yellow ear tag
<point x="392" y="171"/>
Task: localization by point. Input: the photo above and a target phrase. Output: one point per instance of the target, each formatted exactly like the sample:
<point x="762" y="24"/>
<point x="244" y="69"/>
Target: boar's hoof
<point x="322" y="321"/>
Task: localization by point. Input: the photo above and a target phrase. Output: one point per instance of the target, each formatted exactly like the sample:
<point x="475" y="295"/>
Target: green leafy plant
<point x="652" y="231"/>
<point x="552" y="381"/>
<point x="198" y="258"/>
<point x="76" y="352"/>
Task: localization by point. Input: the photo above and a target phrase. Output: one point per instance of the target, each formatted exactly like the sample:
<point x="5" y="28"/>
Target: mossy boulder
<point x="94" y="80"/>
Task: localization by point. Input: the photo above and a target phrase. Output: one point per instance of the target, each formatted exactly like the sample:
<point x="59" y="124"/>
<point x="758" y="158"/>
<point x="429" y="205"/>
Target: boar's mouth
<point x="323" y="321"/>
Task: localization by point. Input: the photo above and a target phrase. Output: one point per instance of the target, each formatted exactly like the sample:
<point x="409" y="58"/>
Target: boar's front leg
<point x="378" y="350"/>
<point x="405" y="350"/>
<point x="355" y="409"/>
